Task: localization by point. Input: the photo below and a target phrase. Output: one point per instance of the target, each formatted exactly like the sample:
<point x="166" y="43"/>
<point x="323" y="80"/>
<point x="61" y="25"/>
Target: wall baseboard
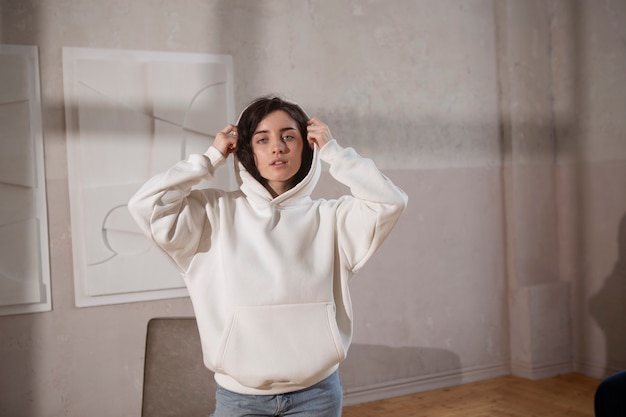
<point x="547" y="370"/>
<point x="597" y="370"/>
<point x="423" y="383"/>
<point x="430" y="382"/>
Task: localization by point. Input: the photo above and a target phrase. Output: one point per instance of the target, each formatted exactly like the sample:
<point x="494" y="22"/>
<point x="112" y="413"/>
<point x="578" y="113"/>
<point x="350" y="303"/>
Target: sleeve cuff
<point x="329" y="151"/>
<point x="215" y="156"/>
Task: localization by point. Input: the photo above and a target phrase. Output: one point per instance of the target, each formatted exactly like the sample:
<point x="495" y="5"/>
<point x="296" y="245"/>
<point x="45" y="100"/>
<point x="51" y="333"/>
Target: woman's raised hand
<point x="318" y="132"/>
<point x="226" y="140"/>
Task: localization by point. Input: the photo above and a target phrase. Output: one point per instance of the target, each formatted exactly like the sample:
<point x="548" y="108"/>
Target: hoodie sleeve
<point x="169" y="212"/>
<point x="367" y="217"/>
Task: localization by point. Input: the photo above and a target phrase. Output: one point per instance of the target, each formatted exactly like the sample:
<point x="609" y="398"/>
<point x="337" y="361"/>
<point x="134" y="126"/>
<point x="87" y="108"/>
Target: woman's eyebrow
<point x="284" y="129"/>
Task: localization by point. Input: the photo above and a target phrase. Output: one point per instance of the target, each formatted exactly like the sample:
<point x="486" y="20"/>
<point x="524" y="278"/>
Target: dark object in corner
<point x="610" y="398"/>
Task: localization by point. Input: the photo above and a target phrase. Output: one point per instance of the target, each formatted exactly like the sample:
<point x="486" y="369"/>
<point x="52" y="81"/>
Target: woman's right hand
<point x="226" y="140"/>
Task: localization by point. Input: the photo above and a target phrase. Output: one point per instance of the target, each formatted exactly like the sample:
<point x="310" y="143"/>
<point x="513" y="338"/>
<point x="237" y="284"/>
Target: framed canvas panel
<point x="130" y="115"/>
<point x="24" y="252"/>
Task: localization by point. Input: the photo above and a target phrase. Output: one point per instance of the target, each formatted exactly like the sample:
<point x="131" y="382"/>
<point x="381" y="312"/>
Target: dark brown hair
<point x="250" y="119"/>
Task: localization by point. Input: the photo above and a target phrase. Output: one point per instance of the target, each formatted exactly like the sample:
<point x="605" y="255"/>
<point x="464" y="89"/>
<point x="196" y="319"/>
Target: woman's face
<point x="277" y="147"/>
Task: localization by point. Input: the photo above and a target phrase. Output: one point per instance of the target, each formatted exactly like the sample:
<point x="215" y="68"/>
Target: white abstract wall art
<point x="24" y="255"/>
<point x="130" y="115"/>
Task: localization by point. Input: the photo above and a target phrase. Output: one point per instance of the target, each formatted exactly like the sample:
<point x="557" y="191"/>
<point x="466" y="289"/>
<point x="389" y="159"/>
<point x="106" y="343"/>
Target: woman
<point x="267" y="267"/>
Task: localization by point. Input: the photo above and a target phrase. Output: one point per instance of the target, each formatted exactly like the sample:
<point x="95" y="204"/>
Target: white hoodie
<point x="268" y="277"/>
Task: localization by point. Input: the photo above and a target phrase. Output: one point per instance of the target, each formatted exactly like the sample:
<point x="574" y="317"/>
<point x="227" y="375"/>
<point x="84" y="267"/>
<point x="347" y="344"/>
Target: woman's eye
<point x="262" y="140"/>
<point x="288" y="137"/>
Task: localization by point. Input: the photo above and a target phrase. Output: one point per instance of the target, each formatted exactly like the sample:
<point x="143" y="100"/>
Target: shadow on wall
<point x="608" y="307"/>
<point x="377" y="367"/>
<point x="18" y="361"/>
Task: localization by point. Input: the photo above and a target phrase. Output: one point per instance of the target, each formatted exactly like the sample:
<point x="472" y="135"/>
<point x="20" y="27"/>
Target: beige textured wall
<point x="590" y="96"/>
<point x="443" y="95"/>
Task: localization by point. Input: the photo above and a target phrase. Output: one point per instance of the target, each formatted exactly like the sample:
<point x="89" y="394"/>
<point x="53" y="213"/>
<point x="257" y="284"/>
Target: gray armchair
<point x="176" y="382"/>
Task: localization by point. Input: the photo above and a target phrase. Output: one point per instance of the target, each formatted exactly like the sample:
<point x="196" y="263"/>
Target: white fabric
<point x="268" y="277"/>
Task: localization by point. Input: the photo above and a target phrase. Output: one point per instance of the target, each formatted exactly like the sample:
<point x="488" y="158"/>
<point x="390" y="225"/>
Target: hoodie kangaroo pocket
<point x="280" y="344"/>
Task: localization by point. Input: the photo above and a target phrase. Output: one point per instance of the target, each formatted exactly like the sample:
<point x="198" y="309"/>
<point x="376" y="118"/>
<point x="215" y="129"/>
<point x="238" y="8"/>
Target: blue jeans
<point x="323" y="399"/>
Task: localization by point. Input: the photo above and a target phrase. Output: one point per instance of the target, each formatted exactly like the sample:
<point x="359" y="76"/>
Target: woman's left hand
<point x="318" y="132"/>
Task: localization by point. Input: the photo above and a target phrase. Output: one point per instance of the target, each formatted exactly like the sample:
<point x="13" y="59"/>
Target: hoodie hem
<point x="276" y="388"/>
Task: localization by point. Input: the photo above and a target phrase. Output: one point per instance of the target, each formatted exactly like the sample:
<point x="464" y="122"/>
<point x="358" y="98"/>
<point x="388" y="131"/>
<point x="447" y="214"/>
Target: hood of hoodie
<point x="260" y="196"/>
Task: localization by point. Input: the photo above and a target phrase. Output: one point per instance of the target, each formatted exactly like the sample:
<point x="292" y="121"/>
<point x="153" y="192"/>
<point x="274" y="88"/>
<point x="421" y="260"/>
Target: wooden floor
<point x="564" y="395"/>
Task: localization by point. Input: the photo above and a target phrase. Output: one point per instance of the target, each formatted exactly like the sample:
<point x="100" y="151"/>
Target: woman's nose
<point x="279" y="147"/>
